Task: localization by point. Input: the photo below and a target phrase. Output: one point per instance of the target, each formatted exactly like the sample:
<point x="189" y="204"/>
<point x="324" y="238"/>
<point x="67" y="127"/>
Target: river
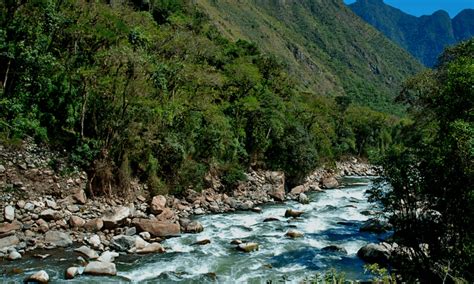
<point x="332" y="217"/>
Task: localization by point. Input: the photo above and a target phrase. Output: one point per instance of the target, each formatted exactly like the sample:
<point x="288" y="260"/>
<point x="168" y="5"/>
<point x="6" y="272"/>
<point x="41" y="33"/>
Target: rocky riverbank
<point x="44" y="206"/>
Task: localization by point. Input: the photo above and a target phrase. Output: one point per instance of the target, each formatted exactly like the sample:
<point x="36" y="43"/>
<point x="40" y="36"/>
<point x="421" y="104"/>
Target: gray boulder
<point x="58" y="238"/>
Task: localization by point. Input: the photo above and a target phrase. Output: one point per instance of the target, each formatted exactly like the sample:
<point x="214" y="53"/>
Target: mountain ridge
<point x="425" y="37"/>
<point x="324" y="44"/>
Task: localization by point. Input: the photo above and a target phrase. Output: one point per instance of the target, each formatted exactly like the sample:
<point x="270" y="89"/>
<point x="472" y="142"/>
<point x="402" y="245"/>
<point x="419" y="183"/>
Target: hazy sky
<point x="427" y="7"/>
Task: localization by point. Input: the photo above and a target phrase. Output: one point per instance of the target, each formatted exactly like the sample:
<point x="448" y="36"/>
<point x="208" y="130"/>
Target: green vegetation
<point x="325" y="46"/>
<point x="431" y="170"/>
<point x="424" y="37"/>
<point x="151" y="89"/>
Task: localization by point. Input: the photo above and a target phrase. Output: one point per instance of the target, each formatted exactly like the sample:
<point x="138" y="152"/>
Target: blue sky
<point x="427" y="7"/>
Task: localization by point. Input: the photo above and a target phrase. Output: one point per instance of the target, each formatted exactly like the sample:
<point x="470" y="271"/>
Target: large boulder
<point x="101" y="268"/>
<point x="166" y="215"/>
<point x="157" y="205"/>
<point x="58" y="238"/>
<point x="39" y="277"/>
<point x="193" y="227"/>
<point x="9" y="241"/>
<point x="329" y="183"/>
<point x="375" y="253"/>
<point x="298" y="190"/>
<point x="158" y="228"/>
<point x="116" y="217"/>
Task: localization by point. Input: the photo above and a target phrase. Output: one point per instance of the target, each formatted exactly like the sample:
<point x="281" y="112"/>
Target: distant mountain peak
<point x="424" y="37"/>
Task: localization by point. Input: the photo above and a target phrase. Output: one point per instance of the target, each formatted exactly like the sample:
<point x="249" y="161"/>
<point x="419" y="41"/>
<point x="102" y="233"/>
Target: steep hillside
<point x="324" y="44"/>
<point x="424" y="37"/>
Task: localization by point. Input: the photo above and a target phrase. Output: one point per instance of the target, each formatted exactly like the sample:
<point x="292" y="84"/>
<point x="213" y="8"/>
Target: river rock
<point x="375" y="226"/>
<point x="335" y="248"/>
<point x="236" y="242"/>
<point x="7" y="229"/>
<point x="329" y="183"/>
<point x="39" y="277"/>
<point x="256" y="209"/>
<point x="116" y="217"/>
<point x="50" y="214"/>
<point x="293" y="213"/>
<point x="277" y="181"/>
<point x="9" y="213"/>
<point x="151" y="248"/>
<point x="94" y="241"/>
<point x="158" y="203"/>
<point x="29" y="206"/>
<point x="58" y="238"/>
<point x="76" y="222"/>
<point x="298" y="190"/>
<point x="71" y="272"/>
<point x="193" y="227"/>
<point x="94" y="225"/>
<point x="248" y="247"/>
<point x="303" y="199"/>
<point x="157" y="228"/>
<point x="202" y="242"/>
<point x="108" y="256"/>
<point x="80" y="197"/>
<point x="271" y="219"/>
<point x="123" y="243"/>
<point x="101" y="268"/>
<point x="14" y="255"/>
<point x="145" y="235"/>
<point x="88" y="252"/>
<point x="2" y="169"/>
<point x="294" y="234"/>
<point x="9" y="241"/>
<point x="374" y="253"/>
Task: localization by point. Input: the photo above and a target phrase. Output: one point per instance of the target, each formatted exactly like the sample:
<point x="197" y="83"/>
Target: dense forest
<point x="431" y="172"/>
<point x="155" y="91"/>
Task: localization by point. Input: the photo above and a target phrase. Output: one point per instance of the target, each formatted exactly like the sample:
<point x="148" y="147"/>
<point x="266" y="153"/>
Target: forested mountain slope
<point x="326" y="46"/>
<point x="153" y="90"/>
<point x="424" y="37"/>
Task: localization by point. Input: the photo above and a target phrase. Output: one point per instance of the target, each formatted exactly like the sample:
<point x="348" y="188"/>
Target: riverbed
<point x="332" y="217"/>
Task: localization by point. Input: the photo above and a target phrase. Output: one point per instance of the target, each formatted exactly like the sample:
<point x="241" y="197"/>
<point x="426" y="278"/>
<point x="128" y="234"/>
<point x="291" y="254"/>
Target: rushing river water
<point x="332" y="217"/>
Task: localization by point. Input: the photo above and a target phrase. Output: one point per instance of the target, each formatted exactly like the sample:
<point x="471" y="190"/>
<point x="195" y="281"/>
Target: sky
<point x="427" y="7"/>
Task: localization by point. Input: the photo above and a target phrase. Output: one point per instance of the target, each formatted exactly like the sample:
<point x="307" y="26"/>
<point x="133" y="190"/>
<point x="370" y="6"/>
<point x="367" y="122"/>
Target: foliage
<point x="431" y="170"/>
<point x="151" y="89"/>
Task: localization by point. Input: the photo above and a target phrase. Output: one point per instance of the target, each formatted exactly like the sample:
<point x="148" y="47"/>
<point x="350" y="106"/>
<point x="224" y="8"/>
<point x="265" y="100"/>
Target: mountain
<point x="326" y="46"/>
<point x="424" y="37"/>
